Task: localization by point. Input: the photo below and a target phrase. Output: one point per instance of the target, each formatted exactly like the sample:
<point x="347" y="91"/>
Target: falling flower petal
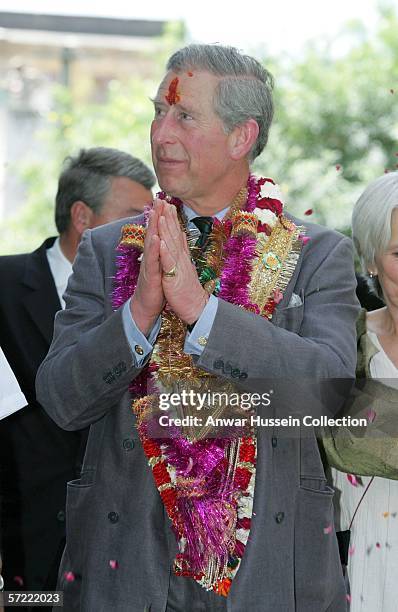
<point x="378" y="545"/>
<point x="348" y="598"/>
<point x="391" y="91"/>
<point x="18" y="580"/>
<point x="352" y="480"/>
<point x="304" y="239"/>
<point x="351" y="550"/>
<point x="327" y="530"/>
<point x="370" y="415"/>
<point x="113" y="564"/>
<point x="338" y="167"/>
<point x="393" y="514"/>
<point x="69" y="576"/>
<point x="308" y="212"/>
<point x="386" y="514"/>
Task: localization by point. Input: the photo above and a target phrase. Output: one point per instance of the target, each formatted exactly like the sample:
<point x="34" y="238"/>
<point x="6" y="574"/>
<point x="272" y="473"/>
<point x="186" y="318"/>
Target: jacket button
<point x="61" y="516"/>
<point x="274" y="442"/>
<point x="113" y="517"/>
<point x="235" y="373"/>
<point x="138" y="349"/>
<point x="279" y="516"/>
<point x="128" y="444"/>
<point x="219" y="364"/>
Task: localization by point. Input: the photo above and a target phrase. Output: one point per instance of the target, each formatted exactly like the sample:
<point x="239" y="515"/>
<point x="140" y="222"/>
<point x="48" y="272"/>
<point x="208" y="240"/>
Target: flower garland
<point x="207" y="484"/>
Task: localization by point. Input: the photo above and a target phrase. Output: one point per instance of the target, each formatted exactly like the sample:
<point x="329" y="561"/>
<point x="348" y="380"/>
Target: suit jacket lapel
<point x="41" y="299"/>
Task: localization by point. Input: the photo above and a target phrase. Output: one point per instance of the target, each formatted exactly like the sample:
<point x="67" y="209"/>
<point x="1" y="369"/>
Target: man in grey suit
<point x="180" y="523"/>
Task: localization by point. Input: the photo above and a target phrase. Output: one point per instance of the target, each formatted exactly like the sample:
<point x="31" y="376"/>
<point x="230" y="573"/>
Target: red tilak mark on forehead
<point x="190" y="73"/>
<point x="172" y="96"/>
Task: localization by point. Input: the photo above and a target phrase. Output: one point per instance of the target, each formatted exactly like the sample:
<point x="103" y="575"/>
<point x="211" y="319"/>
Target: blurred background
<point x="80" y="73"/>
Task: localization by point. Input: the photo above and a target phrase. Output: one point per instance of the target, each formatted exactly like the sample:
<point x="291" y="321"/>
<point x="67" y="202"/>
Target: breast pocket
<point x="291" y="317"/>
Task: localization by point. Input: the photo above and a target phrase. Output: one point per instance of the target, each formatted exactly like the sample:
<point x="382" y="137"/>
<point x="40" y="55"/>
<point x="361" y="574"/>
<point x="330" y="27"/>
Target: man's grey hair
<point x="371" y="222"/>
<point x="244" y="91"/>
<point x="88" y="177"/>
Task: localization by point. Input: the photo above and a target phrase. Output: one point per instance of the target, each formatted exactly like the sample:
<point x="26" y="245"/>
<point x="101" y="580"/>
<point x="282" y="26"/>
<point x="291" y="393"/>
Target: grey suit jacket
<point x="114" y="511"/>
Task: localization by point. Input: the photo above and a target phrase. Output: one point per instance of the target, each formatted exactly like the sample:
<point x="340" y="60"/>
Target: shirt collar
<point x="59" y="264"/>
<point x="191" y="214"/>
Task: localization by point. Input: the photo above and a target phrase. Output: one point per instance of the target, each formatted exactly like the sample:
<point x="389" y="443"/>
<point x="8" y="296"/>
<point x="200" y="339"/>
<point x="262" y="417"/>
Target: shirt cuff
<point x="196" y="341"/>
<point x="141" y="347"/>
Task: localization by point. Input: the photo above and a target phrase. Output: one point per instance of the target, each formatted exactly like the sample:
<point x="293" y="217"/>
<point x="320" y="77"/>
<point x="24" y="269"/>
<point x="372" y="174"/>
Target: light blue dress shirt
<point x="194" y="341"/>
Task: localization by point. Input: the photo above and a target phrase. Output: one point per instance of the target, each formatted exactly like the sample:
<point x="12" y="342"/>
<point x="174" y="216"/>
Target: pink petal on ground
<point x="352" y="480"/>
<point x="338" y="167"/>
<point x="351" y="550"/>
<point x="113" y="564"/>
<point x="348" y="598"/>
<point x="308" y="212"/>
<point x="69" y="576"/>
<point x="370" y="415"/>
<point x="328" y="529"/>
<point x="378" y="545"/>
<point x="18" y="580"/>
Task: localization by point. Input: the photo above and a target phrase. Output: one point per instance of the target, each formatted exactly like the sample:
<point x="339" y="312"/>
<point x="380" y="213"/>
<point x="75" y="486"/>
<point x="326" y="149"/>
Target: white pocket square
<point x="295" y="301"/>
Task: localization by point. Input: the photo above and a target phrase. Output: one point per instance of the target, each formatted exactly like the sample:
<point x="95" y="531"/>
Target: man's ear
<point x="242" y="138"/>
<point x="80" y="216"/>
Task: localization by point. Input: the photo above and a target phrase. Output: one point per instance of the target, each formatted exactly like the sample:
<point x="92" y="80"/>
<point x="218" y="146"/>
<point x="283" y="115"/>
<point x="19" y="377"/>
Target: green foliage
<point x="335" y="129"/>
<point x="336" y="124"/>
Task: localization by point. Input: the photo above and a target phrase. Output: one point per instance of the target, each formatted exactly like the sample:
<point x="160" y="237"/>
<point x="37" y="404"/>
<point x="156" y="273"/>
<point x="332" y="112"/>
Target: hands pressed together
<point x="167" y="273"/>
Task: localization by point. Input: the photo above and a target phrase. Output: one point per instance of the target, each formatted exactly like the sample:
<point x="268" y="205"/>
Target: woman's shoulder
<point x="366" y="348"/>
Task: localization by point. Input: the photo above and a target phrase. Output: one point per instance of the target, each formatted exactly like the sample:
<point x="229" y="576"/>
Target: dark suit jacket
<point x="36" y="456"/>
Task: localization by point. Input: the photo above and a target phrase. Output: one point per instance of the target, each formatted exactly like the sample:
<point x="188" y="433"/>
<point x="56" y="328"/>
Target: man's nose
<point x="164" y="129"/>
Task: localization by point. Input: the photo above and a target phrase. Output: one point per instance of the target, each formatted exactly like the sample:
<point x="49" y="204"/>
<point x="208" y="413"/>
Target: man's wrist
<point x="143" y="322"/>
<point x="194" y="319"/>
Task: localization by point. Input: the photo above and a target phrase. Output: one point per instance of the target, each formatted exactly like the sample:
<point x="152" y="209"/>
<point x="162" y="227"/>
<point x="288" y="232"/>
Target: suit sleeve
<point x="314" y="341"/>
<point x="90" y="363"/>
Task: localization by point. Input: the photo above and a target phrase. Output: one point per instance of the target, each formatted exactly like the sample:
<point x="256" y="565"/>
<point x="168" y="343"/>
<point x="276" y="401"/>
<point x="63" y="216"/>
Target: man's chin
<point x="171" y="186"/>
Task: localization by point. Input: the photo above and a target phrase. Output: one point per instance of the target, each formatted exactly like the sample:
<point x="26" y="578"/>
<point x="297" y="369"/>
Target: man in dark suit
<point x="37" y="458"/>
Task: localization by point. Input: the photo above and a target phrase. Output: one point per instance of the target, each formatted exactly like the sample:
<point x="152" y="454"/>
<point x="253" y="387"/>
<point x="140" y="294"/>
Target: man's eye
<point x="185" y="116"/>
<point x="158" y="112"/>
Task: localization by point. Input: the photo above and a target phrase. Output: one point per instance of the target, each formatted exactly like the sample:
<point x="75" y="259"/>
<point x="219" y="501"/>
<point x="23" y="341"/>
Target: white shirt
<point x="11" y="396"/>
<point x="381" y="366"/>
<point x="61" y="269"/>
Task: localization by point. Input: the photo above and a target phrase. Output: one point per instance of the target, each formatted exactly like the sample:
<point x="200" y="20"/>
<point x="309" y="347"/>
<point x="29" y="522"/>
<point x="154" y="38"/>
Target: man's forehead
<point x="182" y="82"/>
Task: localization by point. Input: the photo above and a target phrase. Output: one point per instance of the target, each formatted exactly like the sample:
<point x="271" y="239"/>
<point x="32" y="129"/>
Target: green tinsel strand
<point x="206" y="275"/>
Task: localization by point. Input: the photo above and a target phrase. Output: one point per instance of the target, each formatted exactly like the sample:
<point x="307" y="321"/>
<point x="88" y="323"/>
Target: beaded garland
<point x="207" y="484"/>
